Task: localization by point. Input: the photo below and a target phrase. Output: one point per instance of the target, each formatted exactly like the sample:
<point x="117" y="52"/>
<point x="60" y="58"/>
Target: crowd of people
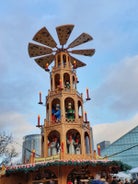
<point x="113" y="180"/>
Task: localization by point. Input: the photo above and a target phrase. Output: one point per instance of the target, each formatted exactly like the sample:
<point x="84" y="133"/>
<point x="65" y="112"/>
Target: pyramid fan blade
<point x="38" y="50"/>
<point x="78" y="63"/>
<point x="85" y="52"/>
<point x="42" y="61"/>
<point x="44" y="37"/>
<point x="64" y="32"/>
<point x="83" y="38"/>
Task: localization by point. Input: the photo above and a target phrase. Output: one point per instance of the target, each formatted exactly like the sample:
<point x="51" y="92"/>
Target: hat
<point x="57" y="106"/>
<point x="69" y="104"/>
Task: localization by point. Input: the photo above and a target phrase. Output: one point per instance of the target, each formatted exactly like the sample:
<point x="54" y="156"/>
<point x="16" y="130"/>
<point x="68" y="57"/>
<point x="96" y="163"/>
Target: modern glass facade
<point x="31" y="142"/>
<point x="126" y="147"/>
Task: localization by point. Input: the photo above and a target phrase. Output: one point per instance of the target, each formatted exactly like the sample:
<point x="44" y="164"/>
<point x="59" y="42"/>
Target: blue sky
<point x="111" y="74"/>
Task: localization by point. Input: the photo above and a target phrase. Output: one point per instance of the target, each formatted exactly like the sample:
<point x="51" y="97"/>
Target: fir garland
<point x="26" y="168"/>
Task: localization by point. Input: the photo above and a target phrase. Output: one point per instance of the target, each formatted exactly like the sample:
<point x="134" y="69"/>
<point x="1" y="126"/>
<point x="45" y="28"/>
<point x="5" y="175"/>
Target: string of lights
<point x="117" y="153"/>
<point x="114" y="154"/>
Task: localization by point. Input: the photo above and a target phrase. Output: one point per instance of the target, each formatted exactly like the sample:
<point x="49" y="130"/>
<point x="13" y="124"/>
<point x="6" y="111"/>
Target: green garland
<point x="26" y="168"/>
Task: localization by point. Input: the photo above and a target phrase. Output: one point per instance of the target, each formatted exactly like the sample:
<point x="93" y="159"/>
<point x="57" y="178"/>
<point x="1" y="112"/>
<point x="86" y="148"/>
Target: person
<point x="58" y="145"/>
<point x="77" y="150"/>
<point x="120" y="181"/>
<point x="53" y="115"/>
<point x="126" y="181"/>
<point x="70" y="114"/>
<point x="71" y="143"/>
<point x="77" y="146"/>
<point x="57" y="113"/>
<point x="104" y="180"/>
<point x="67" y="85"/>
<point x="53" y="146"/>
<point x="136" y="181"/>
<point x="131" y="181"/>
<point x="96" y="181"/>
<point x="114" y="180"/>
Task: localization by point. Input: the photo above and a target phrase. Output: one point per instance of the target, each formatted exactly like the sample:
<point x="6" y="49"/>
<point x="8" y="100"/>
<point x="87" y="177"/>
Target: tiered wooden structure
<point x="67" y="141"/>
<point x="66" y="134"/>
<point x="64" y="108"/>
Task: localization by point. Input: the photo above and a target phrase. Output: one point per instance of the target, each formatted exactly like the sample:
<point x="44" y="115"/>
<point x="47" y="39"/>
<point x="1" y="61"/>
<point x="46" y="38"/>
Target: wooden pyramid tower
<point x="67" y="142"/>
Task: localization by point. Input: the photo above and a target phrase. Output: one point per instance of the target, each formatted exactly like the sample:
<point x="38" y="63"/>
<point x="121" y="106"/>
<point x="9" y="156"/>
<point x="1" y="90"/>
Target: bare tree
<point x="7" y="150"/>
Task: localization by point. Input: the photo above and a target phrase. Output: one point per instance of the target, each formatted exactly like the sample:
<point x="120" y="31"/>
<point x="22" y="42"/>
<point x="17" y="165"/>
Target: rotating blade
<point x="64" y="32"/>
<point x="44" y="37"/>
<point x="78" y="63"/>
<point x="43" y="61"/>
<point x="38" y="50"/>
<point x="85" y="52"/>
<point x="83" y="38"/>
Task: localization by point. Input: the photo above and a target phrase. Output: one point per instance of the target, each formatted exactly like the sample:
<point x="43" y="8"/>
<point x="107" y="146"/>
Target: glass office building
<point x="31" y="142"/>
<point x="124" y="149"/>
